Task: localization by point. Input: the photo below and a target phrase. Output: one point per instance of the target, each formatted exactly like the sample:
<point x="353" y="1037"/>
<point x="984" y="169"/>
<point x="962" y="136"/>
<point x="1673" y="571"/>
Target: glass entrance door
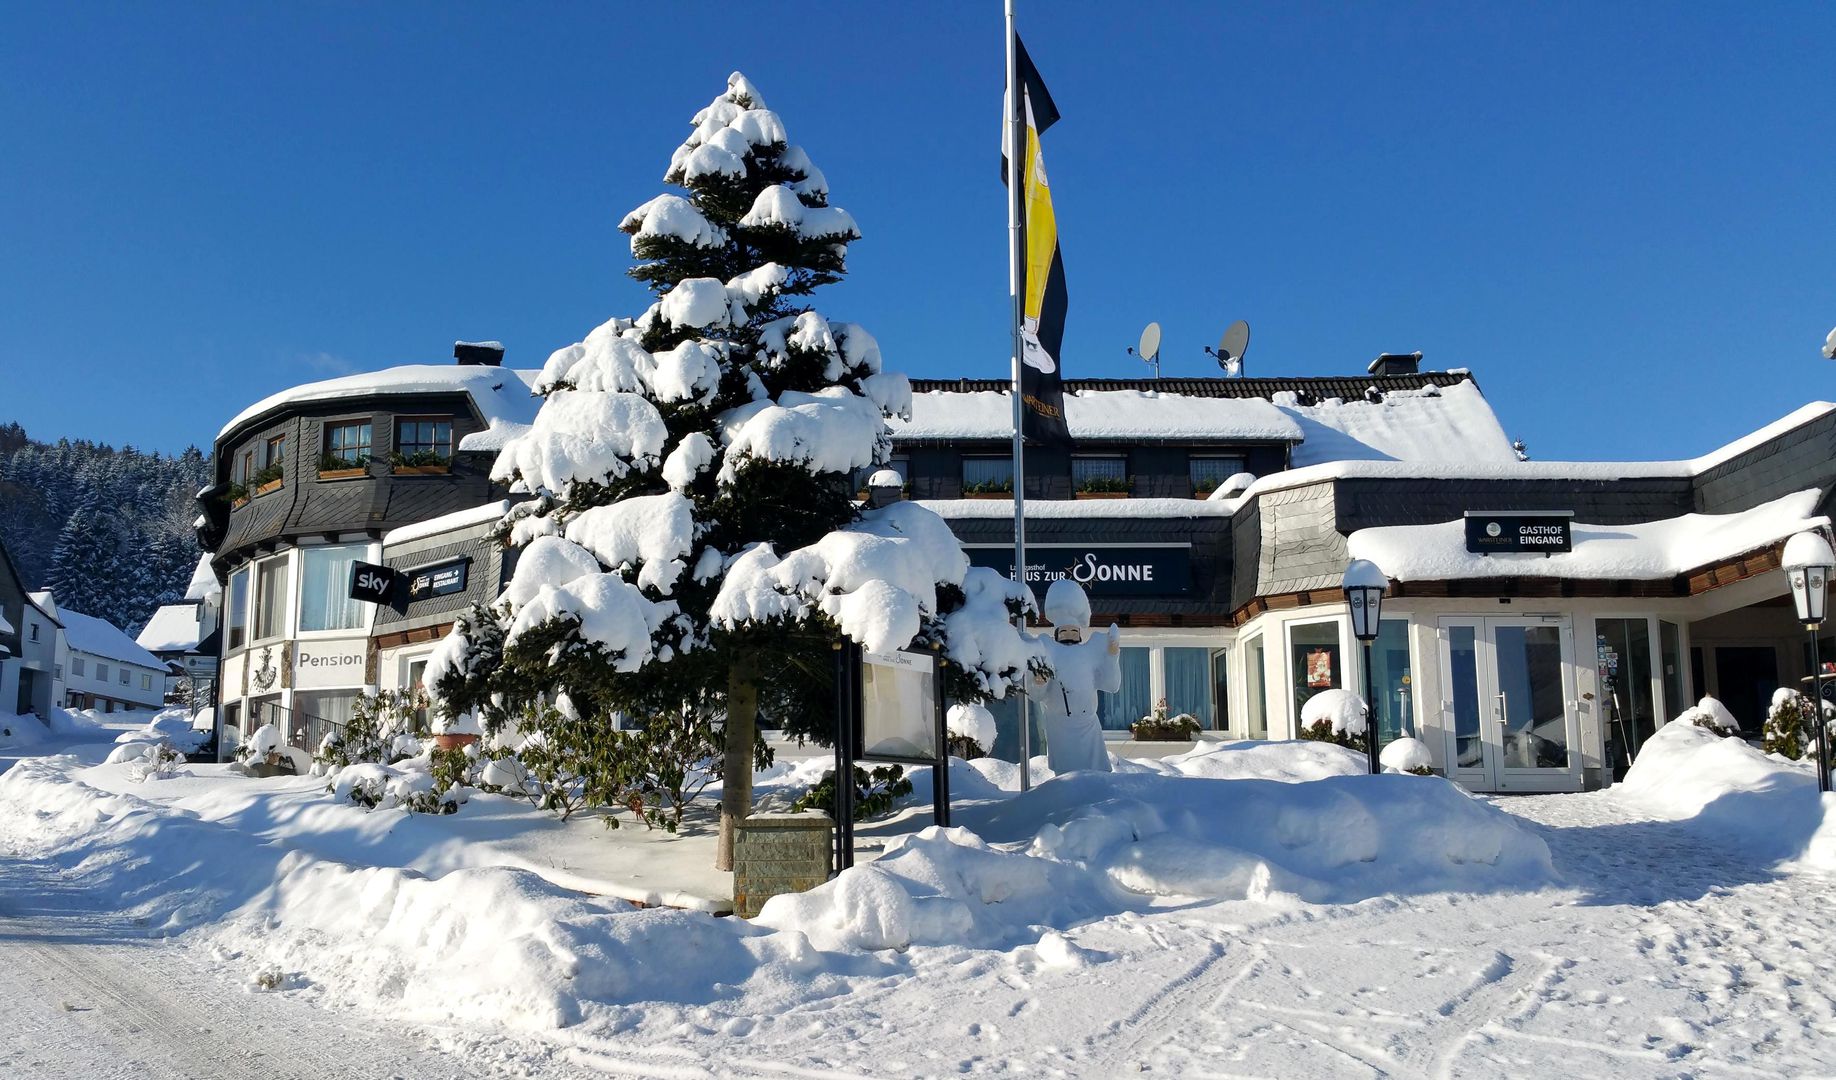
<point x="1509" y="715"/>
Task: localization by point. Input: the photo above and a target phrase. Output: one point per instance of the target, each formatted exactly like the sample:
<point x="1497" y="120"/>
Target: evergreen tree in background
<point x="108" y="531"/>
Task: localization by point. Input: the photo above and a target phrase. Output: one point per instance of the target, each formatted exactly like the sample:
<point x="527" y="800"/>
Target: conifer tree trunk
<point x="742" y="731"/>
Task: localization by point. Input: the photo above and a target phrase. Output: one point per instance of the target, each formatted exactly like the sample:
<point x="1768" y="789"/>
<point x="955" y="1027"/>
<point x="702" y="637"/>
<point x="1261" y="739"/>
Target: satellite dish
<point x="1231" y="347"/>
<point x="1150" y="342"/>
<point x="1149" y="348"/>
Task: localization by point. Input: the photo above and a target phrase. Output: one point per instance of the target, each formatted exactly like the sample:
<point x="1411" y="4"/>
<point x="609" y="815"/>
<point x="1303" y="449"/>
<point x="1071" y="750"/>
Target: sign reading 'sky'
<point x="1043" y="296"/>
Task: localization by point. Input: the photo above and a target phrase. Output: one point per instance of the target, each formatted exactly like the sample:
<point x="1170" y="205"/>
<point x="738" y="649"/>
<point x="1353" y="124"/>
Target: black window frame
<point x="348" y="456"/>
<point x="439" y="455"/>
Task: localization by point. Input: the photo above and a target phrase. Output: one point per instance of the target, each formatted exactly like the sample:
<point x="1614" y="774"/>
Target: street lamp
<point x="1364" y="589"/>
<point x="1808" y="564"/>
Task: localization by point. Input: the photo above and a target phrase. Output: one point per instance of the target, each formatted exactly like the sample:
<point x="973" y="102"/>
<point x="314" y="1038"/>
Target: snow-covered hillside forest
<point x="109" y="529"/>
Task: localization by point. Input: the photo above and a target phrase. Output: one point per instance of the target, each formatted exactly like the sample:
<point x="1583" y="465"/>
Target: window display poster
<point x="1319" y="669"/>
<point x="898" y="706"/>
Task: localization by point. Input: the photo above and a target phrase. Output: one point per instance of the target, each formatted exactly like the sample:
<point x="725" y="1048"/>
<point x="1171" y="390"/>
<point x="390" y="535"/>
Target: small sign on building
<point x="1544" y="532"/>
<point x="372" y="583"/>
<point x="441" y="580"/>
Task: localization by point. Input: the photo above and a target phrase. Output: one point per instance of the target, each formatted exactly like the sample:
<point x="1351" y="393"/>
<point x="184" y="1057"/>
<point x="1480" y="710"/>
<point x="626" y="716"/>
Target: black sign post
<point x="850" y="737"/>
<point x="1543" y="532"/>
<point x="373" y="583"/>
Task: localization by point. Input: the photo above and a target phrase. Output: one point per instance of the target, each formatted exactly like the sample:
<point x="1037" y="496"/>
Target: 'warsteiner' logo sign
<point x="373" y="583"/>
<point x="1544" y="531"/>
<point x="1102" y="569"/>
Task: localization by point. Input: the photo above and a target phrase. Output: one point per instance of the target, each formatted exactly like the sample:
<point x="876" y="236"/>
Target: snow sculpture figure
<point x="1080" y="668"/>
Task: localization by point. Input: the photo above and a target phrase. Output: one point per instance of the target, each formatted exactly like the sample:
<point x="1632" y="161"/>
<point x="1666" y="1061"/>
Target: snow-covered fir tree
<point x="694" y="533"/>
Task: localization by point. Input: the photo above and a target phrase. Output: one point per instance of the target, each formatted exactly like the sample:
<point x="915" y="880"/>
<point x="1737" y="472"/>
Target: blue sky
<point x="1622" y="218"/>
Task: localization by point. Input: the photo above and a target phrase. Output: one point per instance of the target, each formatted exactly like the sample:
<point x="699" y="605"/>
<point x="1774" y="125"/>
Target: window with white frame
<point x="1255" y="688"/>
<point x="78" y="665"/>
<point x="146" y="682"/>
<point x="1316" y="661"/>
<point x="125" y="676"/>
<point x="271" y="599"/>
<point x="101" y="672"/>
<point x="236" y="608"/>
<point x="325" y="588"/>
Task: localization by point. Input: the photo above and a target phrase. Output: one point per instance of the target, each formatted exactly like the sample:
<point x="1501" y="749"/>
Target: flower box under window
<point x="421" y="463"/>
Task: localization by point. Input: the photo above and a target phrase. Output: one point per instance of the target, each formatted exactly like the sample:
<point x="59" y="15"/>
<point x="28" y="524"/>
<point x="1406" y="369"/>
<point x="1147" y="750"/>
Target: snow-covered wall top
<point x="458" y="519"/>
<point x="499" y="393"/>
<point x="1648" y="551"/>
<point x="1100" y="414"/>
<point x="1109" y="509"/>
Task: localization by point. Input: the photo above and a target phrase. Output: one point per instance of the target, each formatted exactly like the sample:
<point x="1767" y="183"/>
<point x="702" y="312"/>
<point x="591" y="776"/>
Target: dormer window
<point x="347" y="446"/>
<point x="423" y="442"/>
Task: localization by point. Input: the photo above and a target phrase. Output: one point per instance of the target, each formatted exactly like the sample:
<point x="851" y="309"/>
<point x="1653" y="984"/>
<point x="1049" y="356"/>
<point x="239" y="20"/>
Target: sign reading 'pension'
<point x="1102" y="569"/>
<point x="1544" y="531"/>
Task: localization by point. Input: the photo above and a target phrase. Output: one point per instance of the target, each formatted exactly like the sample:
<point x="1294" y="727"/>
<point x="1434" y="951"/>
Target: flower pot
<point x="454" y="740"/>
<point x="343" y="474"/>
<point x="1102" y="494"/>
<point x="421" y="470"/>
<point x="237" y="504"/>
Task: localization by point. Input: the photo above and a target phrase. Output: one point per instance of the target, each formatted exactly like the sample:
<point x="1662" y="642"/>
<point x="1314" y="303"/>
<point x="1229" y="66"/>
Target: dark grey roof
<point x="1308" y="390"/>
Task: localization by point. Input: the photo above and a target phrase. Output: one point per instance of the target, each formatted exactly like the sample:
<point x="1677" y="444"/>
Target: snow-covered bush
<point x="267" y="747"/>
<point x="875" y="792"/>
<point x="1337" y="716"/>
<point x="971" y="730"/>
<point x="1711" y="715"/>
<point x="384" y="728"/>
<point x="1789" y="731"/>
<point x="438" y="782"/>
<point x="1407" y="755"/>
<point x="1157" y="726"/>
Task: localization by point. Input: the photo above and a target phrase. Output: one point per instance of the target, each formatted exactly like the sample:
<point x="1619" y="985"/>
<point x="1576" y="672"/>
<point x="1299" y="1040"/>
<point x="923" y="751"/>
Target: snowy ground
<point x="1671" y="946"/>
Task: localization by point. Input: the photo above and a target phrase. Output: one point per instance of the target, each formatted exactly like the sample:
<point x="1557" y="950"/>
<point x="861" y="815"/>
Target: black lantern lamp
<point x="1364" y="589"/>
<point x="1808" y="563"/>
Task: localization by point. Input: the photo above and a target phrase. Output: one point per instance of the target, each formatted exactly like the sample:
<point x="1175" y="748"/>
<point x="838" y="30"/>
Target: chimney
<point x="479" y="353"/>
<point x="1396" y="364"/>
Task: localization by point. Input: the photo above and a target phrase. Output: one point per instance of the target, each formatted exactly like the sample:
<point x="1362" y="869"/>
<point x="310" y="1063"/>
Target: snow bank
<point x="1086" y="845"/>
<point x="1767" y="804"/>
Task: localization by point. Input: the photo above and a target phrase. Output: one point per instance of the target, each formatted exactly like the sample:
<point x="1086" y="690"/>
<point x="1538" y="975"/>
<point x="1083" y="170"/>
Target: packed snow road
<point x="87" y="996"/>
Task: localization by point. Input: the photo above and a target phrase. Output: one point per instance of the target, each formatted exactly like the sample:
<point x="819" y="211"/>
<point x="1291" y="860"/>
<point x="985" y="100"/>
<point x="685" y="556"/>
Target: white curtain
<point x="325" y="589"/>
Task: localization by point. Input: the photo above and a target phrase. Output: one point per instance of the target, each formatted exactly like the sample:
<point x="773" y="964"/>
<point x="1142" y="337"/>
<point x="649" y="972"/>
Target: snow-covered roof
<point x="46" y="605"/>
<point x="458" y="519"/>
<point x="204" y="584"/>
<point x="1100" y="414"/>
<point x="1435" y="423"/>
<point x="99" y="637"/>
<point x="498" y="392"/>
<point x="1651" y="550"/>
<point x="173" y="628"/>
<point x="1456" y="469"/>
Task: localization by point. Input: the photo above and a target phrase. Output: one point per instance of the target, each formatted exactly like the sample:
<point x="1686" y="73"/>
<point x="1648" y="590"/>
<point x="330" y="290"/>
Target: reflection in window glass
<point x="1535" y="715"/>
<point x="1136" y="698"/>
<point x="1255" y="689"/>
<point x="988" y="474"/>
<point x="1671" y="638"/>
<point x="1316" y="660"/>
<point x="1391" y="680"/>
<point x="1209" y="472"/>
<point x="1187" y="674"/>
<point x="1623" y="652"/>
<point x="1463" y="677"/>
<point x="1220" y="690"/>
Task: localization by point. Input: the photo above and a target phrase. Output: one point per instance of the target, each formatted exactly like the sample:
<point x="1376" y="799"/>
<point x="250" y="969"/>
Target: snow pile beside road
<point x="1767" y="804"/>
<point x="1088" y="845"/>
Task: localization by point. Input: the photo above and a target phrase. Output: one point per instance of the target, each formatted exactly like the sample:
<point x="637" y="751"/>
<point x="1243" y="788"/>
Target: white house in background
<point x="184" y="636"/>
<point x="106" y="670"/>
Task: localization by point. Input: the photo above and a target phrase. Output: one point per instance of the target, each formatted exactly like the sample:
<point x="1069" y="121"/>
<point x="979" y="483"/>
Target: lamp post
<point x="1364" y="589"/>
<point x="1808" y="563"/>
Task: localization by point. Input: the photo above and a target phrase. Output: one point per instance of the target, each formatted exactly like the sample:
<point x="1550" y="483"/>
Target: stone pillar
<point x="779" y="853"/>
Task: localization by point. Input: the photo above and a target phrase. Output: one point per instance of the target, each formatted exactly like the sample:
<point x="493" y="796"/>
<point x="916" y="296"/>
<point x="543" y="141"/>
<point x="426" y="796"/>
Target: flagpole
<point x="1016" y="157"/>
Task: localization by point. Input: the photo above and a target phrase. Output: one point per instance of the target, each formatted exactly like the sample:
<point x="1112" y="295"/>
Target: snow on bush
<point x="1334" y="716"/>
<point x="972" y="730"/>
<point x="1407" y="755"/>
<point x="1791" y="724"/>
<point x="1081" y="846"/>
<point x="1711" y="715"/>
<point x="1290" y="762"/>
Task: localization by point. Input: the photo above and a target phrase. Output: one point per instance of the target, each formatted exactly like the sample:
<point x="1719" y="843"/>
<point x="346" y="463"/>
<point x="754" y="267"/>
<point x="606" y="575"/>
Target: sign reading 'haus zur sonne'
<point x="1102" y="569"/>
<point x="1543" y="531"/>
